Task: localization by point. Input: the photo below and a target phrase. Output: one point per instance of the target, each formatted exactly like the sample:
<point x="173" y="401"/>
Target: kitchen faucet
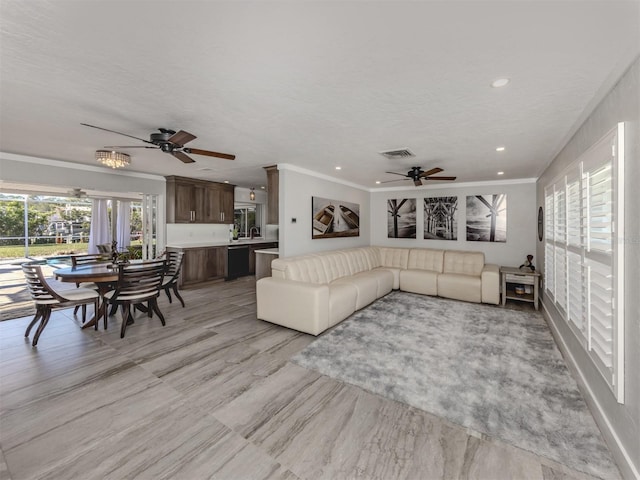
<point x="253" y="231"/>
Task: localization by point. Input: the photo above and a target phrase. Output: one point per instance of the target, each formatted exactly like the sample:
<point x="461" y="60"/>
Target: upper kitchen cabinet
<point x="198" y="201"/>
<point x="272" y="194"/>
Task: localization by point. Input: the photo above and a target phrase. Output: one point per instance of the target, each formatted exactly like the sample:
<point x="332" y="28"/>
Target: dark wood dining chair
<point x="46" y="298"/>
<point x="89" y="259"/>
<point x="171" y="277"/>
<point x="137" y="283"/>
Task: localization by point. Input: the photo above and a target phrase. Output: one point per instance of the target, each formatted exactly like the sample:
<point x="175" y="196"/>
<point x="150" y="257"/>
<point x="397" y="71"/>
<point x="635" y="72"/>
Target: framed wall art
<point x="441" y="218"/>
<point x="487" y="218"/>
<point x="334" y="218"/>
<point x="401" y="218"/>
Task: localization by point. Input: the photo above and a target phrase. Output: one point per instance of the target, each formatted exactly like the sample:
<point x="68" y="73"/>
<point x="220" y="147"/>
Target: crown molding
<point x="76" y="166"/>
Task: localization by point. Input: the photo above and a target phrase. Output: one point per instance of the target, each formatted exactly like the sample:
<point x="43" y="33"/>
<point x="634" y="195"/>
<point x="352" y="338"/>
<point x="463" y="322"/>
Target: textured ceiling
<point x="313" y="84"/>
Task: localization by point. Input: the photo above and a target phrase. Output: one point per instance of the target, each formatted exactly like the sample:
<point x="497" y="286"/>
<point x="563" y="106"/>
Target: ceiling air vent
<point x="399" y="153"/>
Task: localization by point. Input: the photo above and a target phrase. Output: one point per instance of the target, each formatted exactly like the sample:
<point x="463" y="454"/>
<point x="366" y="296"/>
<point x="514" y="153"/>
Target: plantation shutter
<point x="549" y="251"/>
<point x="584" y="260"/>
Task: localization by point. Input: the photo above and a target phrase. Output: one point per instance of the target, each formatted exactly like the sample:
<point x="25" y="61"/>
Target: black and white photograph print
<point x="401" y="218"/>
<point x="334" y="218"/>
<point x="441" y="218"/>
<point x="487" y="218"/>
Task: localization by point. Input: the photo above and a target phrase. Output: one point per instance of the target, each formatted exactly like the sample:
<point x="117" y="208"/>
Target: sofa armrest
<point x="298" y="305"/>
<point x="491" y="284"/>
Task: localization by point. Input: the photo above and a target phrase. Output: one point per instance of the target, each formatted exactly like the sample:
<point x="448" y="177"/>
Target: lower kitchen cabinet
<point x="202" y="264"/>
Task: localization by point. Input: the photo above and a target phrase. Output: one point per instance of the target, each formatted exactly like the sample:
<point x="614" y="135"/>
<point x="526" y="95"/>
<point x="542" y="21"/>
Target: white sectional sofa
<point x="311" y="293"/>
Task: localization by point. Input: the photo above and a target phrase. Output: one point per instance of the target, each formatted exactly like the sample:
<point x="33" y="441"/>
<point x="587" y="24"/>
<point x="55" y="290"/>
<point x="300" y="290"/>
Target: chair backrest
<point x="89" y="259"/>
<point x="104" y="248"/>
<point x="39" y="289"/>
<point x="174" y="264"/>
<point x="139" y="281"/>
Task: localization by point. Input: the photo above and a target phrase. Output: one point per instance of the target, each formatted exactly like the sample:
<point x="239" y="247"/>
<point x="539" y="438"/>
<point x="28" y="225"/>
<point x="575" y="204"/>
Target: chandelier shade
<point x="252" y="195"/>
<point x="113" y="159"/>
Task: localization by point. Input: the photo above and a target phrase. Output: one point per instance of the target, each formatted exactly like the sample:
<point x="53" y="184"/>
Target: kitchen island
<point x="217" y="260"/>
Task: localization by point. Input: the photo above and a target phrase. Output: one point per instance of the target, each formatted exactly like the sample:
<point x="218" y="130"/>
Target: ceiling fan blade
<point x="119" y="133"/>
<point x="181" y="137"/>
<point x="431" y="172"/>
<point x="440" y="178"/>
<point x="398" y="180"/>
<point x="401" y="174"/>
<point x="417" y="182"/>
<point x="208" y="153"/>
<point x="129" y="146"/>
<point x="183" y="157"/>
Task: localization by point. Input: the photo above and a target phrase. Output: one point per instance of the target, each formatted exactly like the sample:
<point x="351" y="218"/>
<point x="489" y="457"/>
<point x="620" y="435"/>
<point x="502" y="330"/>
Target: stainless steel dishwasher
<point x="237" y="261"/>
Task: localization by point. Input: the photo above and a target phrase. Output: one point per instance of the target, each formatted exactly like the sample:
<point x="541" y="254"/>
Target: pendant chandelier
<point x="113" y="159"/>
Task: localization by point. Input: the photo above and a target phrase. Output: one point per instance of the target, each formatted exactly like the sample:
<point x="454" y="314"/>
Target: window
<point x="246" y="217"/>
<point x="583" y="261"/>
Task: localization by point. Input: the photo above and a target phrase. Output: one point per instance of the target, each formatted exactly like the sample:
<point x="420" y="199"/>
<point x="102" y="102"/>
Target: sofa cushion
<point x="419" y="281"/>
<point x="316" y="268"/>
<point x="396" y="258"/>
<point x="395" y="285"/>
<point x="365" y="284"/>
<point x="459" y="286"/>
<point x="426" y="259"/>
<point x="342" y="301"/>
<point x="466" y="263"/>
<point x="360" y="259"/>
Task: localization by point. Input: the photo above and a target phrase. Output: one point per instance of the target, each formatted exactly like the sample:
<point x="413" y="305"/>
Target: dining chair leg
<point x="166" y="290"/>
<point x="126" y="313"/>
<point x="43" y="323"/>
<point x="84" y="313"/>
<point x="175" y="290"/>
<point x="114" y="310"/>
<point x="39" y="315"/>
<point x="75" y="310"/>
<point x="154" y="305"/>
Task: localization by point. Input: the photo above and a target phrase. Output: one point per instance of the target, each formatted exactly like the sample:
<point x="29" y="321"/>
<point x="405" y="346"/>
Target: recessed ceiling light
<point x="500" y="82"/>
<point x="338" y="168"/>
<point x="500" y="173"/>
<point x="226" y="181"/>
<point x="499" y="149"/>
<point x="262" y="187"/>
<point x="378" y="181"/>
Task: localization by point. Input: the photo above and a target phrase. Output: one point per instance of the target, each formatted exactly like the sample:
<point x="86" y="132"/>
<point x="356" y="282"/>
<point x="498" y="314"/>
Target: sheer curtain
<point x="123" y="231"/>
<point x="99" y="232"/>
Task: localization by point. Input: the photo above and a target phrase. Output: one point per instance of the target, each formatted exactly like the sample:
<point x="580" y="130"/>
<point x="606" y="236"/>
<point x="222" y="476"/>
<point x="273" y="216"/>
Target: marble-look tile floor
<point x="212" y="395"/>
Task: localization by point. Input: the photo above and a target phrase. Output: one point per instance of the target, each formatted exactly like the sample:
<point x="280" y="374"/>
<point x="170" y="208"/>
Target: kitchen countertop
<point x="219" y="243"/>
<point x="269" y="251"/>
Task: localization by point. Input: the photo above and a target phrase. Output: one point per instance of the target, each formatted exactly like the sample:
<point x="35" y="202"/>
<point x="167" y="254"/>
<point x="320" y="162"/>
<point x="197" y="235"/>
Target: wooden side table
<point x="512" y="277"/>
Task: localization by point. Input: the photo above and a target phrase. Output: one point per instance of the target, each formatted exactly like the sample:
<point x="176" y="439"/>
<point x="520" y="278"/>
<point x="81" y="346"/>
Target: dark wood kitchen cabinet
<point x="197" y="201"/>
<point x="202" y="264"/>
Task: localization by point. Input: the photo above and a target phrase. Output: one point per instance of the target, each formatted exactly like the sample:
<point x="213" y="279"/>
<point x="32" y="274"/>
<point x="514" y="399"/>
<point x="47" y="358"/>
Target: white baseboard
<point x="620" y="455"/>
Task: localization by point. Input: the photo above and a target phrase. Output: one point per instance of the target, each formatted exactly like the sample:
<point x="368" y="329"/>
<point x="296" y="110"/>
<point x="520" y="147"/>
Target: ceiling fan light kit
<point x="113" y="159"/>
<point x="417" y="175"/>
<point x="168" y="141"/>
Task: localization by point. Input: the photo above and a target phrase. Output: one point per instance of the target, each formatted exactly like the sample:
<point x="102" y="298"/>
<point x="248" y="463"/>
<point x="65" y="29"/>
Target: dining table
<point x="104" y="275"/>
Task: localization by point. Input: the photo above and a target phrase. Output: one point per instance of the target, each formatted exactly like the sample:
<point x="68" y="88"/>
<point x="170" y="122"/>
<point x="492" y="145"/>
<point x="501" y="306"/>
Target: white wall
<point x="297" y="186"/>
<point x="521" y="219"/>
<point x="619" y="423"/>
